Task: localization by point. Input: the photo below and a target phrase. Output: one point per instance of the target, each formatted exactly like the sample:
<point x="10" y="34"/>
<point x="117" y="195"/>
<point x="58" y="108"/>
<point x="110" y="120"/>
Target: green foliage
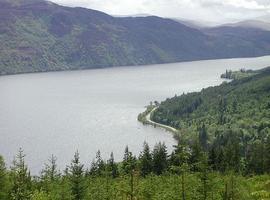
<point x="4" y="184"/>
<point x="146" y="161"/>
<point x="160" y="158"/>
<point x="98" y="165"/>
<point x="112" y="167"/>
<point x="21" y="179"/>
<point x="76" y="176"/>
<point x="231" y="122"/>
<point x="39" y="195"/>
<point x="129" y="162"/>
<point x="142" y="116"/>
<point x="181" y="181"/>
<point x="237" y="74"/>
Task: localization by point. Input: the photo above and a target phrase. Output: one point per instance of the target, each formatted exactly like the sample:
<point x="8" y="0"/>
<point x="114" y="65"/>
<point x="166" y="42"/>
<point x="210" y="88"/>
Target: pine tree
<point x="99" y="163"/>
<point x="204" y="176"/>
<point x="222" y="165"/>
<point x="146" y="161"/>
<point x="179" y="161"/>
<point x="93" y="169"/>
<point x="50" y="175"/>
<point x="232" y="155"/>
<point x="180" y="155"/>
<point x="213" y="158"/>
<point x="76" y="176"/>
<point x="160" y="162"/>
<point x="203" y="137"/>
<point x="222" y="110"/>
<point x="196" y="155"/>
<point x="112" y="167"/>
<point x="183" y="169"/>
<point x="21" y="186"/>
<point x="50" y="172"/>
<point x="128" y="167"/>
<point x="3" y="180"/>
<point x="129" y="162"/>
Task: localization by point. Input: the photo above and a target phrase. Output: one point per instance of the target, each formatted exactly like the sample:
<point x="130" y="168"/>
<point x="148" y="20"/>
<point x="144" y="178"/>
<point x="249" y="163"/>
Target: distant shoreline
<point x="126" y="66"/>
<point x="145" y="118"/>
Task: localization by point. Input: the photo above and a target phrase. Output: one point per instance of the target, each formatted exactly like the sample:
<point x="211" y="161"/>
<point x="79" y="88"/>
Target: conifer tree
<point x="97" y="166"/>
<point x="128" y="167"/>
<point x="76" y="176"/>
<point x="50" y="175"/>
<point x="146" y="162"/>
<point x="21" y="186"/>
<point x="160" y="162"/>
<point x="129" y="162"/>
<point x="112" y="166"/>
<point x="203" y="137"/>
<point x="99" y="163"/>
<point x="3" y="180"/>
<point x="222" y="160"/>
<point x="50" y="172"/>
<point x="181" y="156"/>
<point x="196" y="155"/>
<point x="204" y="176"/>
<point x="222" y="110"/>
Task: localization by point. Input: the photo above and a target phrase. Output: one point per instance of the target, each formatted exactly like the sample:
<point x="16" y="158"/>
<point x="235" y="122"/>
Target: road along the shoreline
<point x="168" y="128"/>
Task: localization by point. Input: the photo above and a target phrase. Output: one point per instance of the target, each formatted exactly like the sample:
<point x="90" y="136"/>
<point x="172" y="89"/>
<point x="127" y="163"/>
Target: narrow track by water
<point x="168" y="128"/>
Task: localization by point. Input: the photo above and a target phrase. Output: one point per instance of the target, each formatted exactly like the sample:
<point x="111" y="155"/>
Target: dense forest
<point x="231" y="121"/>
<point x="188" y="172"/>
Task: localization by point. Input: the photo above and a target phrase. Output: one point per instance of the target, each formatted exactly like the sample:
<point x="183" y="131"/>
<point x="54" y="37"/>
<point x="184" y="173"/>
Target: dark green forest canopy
<point x="230" y="122"/>
<point x="243" y="106"/>
<point x="186" y="174"/>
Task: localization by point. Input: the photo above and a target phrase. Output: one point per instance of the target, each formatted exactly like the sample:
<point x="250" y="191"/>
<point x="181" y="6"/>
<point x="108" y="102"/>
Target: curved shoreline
<point x="155" y="124"/>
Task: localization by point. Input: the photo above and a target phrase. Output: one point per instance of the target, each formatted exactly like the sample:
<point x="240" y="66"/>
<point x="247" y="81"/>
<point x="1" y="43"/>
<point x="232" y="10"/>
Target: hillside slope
<point x="42" y="36"/>
<point x="242" y="105"/>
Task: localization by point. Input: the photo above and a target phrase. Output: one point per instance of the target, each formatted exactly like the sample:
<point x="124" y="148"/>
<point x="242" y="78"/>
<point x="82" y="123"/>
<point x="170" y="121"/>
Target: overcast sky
<point x="204" y="10"/>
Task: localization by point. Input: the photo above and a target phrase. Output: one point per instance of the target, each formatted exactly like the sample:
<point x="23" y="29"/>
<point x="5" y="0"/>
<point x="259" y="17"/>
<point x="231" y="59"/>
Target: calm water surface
<point x="60" y="112"/>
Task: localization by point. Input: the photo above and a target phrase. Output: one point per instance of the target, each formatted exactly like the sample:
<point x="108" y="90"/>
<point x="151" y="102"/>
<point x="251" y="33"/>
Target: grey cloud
<point x="208" y="10"/>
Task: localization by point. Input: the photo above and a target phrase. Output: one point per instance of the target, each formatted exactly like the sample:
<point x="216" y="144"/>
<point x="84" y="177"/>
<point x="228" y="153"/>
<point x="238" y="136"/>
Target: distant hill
<point x="257" y="24"/>
<point x="39" y="36"/>
<point x="265" y="18"/>
<point x="195" y="24"/>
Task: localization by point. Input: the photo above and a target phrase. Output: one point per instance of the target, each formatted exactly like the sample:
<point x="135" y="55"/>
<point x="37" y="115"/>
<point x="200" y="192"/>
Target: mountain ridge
<point x="38" y="36"/>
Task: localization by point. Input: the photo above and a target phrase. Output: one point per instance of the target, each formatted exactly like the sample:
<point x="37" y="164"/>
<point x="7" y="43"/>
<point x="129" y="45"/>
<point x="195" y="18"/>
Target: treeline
<point x="191" y="171"/>
<point x="231" y="122"/>
<point x="242" y="73"/>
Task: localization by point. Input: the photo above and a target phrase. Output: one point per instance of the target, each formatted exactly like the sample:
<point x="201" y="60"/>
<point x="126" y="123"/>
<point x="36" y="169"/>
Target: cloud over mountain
<point x="210" y="10"/>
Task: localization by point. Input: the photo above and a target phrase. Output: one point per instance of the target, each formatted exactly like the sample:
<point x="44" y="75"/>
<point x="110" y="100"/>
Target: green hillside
<point x="242" y="103"/>
<point x="37" y="36"/>
<point x="232" y="117"/>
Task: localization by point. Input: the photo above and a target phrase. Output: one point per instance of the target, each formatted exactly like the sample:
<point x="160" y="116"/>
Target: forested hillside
<point x="37" y="35"/>
<point x="230" y="121"/>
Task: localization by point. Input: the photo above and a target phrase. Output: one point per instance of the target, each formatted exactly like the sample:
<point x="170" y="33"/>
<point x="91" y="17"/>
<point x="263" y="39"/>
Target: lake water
<point x="60" y="112"/>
